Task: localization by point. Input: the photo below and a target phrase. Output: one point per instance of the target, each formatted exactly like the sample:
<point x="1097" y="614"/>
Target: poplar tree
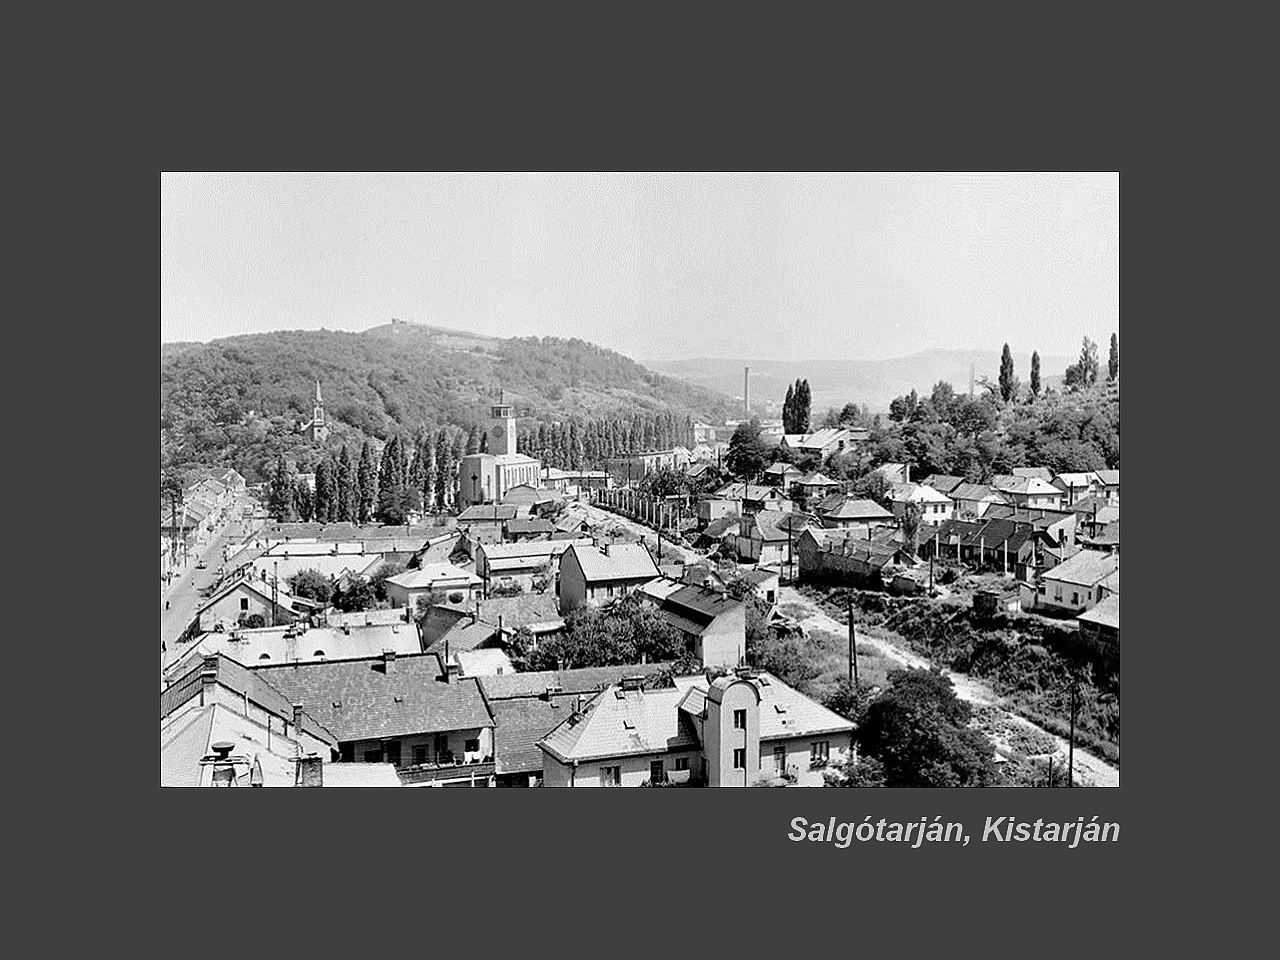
<point x="1035" y="373"/>
<point x="1113" y="359"/>
<point x="367" y="478"/>
<point x="1007" y="381"/>
<point x="348" y="489"/>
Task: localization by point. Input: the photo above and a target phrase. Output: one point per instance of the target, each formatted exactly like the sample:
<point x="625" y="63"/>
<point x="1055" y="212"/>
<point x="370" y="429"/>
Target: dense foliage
<point x="239" y="401"/>
<point x="623" y="632"/>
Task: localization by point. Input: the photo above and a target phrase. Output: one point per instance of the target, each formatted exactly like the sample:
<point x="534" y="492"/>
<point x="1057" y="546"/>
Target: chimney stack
<point x="208" y="678"/>
<point x="389" y="661"/>
<point x="310" y="772"/>
<point x="452" y="671"/>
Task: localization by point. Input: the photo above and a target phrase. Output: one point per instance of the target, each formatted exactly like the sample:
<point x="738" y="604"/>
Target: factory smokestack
<point x="746" y="392"/>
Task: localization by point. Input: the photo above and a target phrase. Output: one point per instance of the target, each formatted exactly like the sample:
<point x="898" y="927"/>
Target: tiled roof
<point x="187" y="737"/>
<point x="1087" y="568"/>
<point x="639" y="721"/>
<point x="258" y="586"/>
<point x="1110" y="477"/>
<point x="625" y="561"/>
<point x="918" y="493"/>
<point x="817" y="479"/>
<point x="516" y="612"/>
<point x="701" y="603"/>
<point x="943" y="481"/>
<point x="580" y="680"/>
<point x="462" y="636"/>
<point x="746" y="491"/>
<point x="489" y="512"/>
<point x="371" y="703"/>
<point x="534" y="548"/>
<point x="1029" y="486"/>
<point x="520" y="724"/>
<point x="1106" y="613"/>
<point x="972" y="491"/>
<point x="531" y="525"/>
<point x="1084" y="479"/>
<point x="856" y="510"/>
<point x="1040" y="473"/>
<point x="433" y="574"/>
<point x="718" y="528"/>
<point x="243" y="682"/>
<point x="252" y="648"/>
<point x="780" y="469"/>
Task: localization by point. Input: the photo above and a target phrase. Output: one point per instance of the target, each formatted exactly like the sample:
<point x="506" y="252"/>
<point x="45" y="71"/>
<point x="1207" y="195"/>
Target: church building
<point x="486" y="477"/>
<point x="317" y="428"/>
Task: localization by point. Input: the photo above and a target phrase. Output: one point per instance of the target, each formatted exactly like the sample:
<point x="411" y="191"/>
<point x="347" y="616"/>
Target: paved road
<point x="183" y="594"/>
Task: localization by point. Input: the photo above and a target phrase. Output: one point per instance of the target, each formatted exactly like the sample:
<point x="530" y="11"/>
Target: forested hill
<point x="238" y="401"/>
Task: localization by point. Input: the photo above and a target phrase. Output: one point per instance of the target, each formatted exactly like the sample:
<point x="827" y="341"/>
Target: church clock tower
<point x="502" y="431"/>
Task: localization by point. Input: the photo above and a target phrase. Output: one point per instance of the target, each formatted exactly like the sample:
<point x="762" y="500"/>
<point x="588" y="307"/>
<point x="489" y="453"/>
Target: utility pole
<point x="1071" y="742"/>
<point x="853" y="648"/>
<point x="275" y="591"/>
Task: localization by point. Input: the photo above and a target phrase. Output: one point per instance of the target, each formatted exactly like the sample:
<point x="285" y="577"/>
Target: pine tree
<point x="348" y="489"/>
<point x="304" y="501"/>
<point x="1008" y="382"/>
<point x="392" y="507"/>
<point x="280" y="493"/>
<point x="1035" y="373"/>
<point x="444" y="468"/>
<point x="1113" y="359"/>
<point x="473" y="441"/>
<point x="323" y="492"/>
<point x="367" y="478"/>
<point x="803" y="408"/>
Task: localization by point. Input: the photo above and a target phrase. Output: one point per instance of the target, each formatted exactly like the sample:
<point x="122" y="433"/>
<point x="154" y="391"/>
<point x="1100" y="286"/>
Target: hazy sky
<point x="792" y="267"/>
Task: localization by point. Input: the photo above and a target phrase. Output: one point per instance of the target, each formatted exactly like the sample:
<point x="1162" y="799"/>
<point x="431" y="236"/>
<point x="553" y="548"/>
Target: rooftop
<point x="624" y="561"/>
<point x="492" y="512"/>
<point x="580" y="680"/>
<point x="849" y="509"/>
<point x="363" y="700"/>
<point x="1040" y="473"/>
<point x="287" y="645"/>
<point x="1087" y="568"/>
<point x="917" y="493"/>
<point x="1106" y="613"/>
<point x="433" y="575"/>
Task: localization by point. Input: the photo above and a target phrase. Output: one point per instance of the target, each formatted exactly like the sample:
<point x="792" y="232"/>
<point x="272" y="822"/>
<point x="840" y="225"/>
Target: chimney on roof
<point x="310" y="772"/>
<point x="388" y="661"/>
<point x="452" y="671"/>
<point x="208" y="677"/>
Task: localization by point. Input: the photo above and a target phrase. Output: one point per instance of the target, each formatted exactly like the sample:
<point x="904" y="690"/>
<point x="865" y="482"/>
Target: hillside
<point x="237" y="400"/>
<point x="837" y="382"/>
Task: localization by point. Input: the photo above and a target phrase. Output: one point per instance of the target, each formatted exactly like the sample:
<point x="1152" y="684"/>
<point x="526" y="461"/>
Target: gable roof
<point x="1110" y="478"/>
<point x="973" y="491"/>
<point x="254" y="585"/>
<point x="850" y="509"/>
<point x="1087" y="568"/>
<point x="1040" y="473"/>
<point x="488" y="512"/>
<point x="1105" y="613"/>
<point x="1028" y="486"/>
<point x="578" y="680"/>
<point x="430" y="574"/>
<point x="624" y="561"/>
<point x="243" y="682"/>
<point x="943" y="482"/>
<point x="917" y="492"/>
<point x="1082" y="479"/>
<point x="372" y="703"/>
<point x="529" y="525"/>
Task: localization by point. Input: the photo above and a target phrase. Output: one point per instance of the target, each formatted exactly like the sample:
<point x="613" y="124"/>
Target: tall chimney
<point x="746" y="392"/>
<point x="389" y="661"/>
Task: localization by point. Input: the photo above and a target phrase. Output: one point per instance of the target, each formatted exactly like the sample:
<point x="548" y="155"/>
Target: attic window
<point x="629" y="724"/>
<point x="781" y="708"/>
<point x="318" y="653"/>
<point x="337" y="704"/>
<point x="265" y="656"/>
<point x="399" y="699"/>
<point x="620" y="694"/>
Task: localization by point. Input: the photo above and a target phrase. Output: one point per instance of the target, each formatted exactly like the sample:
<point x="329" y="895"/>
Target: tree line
<point x="589" y="443"/>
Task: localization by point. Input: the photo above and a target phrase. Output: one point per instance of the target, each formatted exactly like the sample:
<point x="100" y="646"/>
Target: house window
<point x="440" y="746"/>
<point x="779" y="760"/>
<point x="373" y="756"/>
<point x="347" y="752"/>
<point x="682" y="763"/>
<point x="820" y="751"/>
<point x="656" y="772"/>
<point x="740" y="758"/>
<point x="1075" y="599"/>
<point x="420" y="754"/>
<point x="244" y="603"/>
<point x="393" y="752"/>
<point x="739" y="719"/>
<point x="472" y="745"/>
<point x="611" y="776"/>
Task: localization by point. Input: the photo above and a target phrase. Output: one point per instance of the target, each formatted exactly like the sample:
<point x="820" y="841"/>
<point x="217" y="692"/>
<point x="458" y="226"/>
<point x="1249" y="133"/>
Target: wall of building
<point x="635" y="769"/>
<point x="797" y="752"/>
<point x="230" y="608"/>
<point x="455" y="742"/>
<point x="401" y="596"/>
<point x="1072" y="597"/>
<point x="721" y="738"/>
<point x="724" y="642"/>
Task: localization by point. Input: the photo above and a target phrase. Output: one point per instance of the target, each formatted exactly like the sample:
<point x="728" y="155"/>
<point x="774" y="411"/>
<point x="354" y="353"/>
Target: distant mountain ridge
<point x="875" y="383"/>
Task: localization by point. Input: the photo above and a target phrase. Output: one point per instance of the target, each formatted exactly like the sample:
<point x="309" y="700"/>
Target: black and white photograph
<point x="640" y="480"/>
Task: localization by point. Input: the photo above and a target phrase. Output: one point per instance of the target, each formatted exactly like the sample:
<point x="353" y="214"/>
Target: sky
<point x="657" y="267"/>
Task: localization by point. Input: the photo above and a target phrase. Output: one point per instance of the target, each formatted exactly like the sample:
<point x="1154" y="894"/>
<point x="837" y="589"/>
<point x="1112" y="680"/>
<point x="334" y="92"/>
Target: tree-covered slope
<point x="238" y="401"/>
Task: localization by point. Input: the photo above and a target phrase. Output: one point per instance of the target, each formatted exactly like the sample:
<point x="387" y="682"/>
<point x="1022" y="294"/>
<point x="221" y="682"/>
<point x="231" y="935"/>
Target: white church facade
<point x="486" y="477"/>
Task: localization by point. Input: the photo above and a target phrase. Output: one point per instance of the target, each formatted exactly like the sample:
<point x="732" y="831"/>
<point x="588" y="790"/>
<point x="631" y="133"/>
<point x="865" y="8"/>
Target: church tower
<point x="317" y="430"/>
<point x="502" y="430"/>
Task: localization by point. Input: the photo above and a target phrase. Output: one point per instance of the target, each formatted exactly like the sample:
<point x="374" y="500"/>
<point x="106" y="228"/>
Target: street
<point x="183" y="593"/>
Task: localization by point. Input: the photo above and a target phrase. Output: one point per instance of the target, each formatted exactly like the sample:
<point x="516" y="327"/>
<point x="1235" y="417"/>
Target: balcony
<point x="418" y="773"/>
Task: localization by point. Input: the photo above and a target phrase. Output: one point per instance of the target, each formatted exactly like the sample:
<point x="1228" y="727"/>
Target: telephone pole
<point x="853" y="648"/>
<point x="1071" y="742"/>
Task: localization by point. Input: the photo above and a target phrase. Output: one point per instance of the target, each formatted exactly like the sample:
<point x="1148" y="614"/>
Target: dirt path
<point x="1090" y="770"/>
